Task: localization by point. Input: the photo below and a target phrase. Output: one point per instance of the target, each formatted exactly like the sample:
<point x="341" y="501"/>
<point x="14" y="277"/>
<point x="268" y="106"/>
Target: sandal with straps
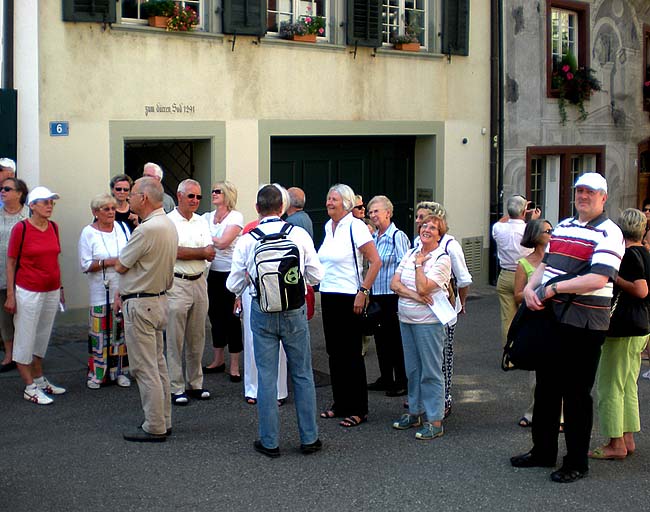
<point x="353" y="421"/>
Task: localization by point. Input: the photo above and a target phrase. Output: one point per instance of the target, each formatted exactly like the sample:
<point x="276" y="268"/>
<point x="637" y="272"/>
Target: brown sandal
<point x="353" y="421"/>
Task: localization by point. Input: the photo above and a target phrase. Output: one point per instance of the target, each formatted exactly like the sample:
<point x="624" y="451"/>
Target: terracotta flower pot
<point x="307" y="38"/>
<point x="407" y="47"/>
<point x="158" y="21"/>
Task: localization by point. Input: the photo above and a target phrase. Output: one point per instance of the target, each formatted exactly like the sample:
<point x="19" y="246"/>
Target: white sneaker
<point x="123" y="381"/>
<point x="34" y="394"/>
<point x="48" y="387"/>
<point x="646" y="375"/>
<point x="91" y="384"/>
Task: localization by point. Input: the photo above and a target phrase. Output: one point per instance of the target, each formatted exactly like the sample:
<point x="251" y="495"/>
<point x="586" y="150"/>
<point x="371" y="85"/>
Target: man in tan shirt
<point x="147" y="268"/>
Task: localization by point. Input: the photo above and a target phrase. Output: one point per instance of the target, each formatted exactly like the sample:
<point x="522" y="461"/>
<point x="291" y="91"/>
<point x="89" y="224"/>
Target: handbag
<point x="529" y="339"/>
<point x="371" y="314"/>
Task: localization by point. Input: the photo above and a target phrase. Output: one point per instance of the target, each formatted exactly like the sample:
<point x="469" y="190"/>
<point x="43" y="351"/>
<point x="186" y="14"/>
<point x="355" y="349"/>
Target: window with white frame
<point x="291" y="11"/>
<point x="401" y="16"/>
<point x="132" y="10"/>
<point x="564" y="35"/>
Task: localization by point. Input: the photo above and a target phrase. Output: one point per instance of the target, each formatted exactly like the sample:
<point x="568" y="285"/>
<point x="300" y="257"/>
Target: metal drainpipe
<point x="496" y="130"/>
<point x="8" y="44"/>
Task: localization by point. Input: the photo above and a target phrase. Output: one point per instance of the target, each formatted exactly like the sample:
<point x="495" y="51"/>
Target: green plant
<point x="183" y="19"/>
<point x="411" y="32"/>
<point x="158" y="8"/>
<point x="307" y="24"/>
<point x="575" y="85"/>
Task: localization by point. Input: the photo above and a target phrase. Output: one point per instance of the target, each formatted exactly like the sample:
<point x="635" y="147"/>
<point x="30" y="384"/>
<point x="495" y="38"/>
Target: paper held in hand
<point x="442" y="308"/>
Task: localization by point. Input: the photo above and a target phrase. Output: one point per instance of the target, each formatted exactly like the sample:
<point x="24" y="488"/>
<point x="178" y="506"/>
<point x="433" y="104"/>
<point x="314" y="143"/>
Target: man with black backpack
<point x="276" y="260"/>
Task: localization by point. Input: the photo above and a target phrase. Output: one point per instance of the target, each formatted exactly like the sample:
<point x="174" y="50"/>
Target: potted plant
<point x="183" y="19"/>
<point x="408" y="41"/>
<point x="306" y="29"/>
<point x="158" y="12"/>
<point x="575" y="85"/>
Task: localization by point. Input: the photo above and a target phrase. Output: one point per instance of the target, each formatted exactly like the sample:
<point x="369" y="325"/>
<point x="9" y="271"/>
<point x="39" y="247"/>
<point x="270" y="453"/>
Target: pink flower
<point x="322" y="30"/>
<point x="307" y="19"/>
<point x="569" y="76"/>
<point x="566" y="68"/>
<point x="647" y="84"/>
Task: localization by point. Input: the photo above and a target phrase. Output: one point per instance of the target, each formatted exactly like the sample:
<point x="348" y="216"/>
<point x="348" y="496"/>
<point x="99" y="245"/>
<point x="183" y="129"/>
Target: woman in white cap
<point x="34" y="291"/>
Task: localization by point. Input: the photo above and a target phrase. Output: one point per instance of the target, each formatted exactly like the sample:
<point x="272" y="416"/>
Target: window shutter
<point x="100" y="11"/>
<point x="247" y="17"/>
<point x="364" y="23"/>
<point x="8" y="123"/>
<point x="455" y="27"/>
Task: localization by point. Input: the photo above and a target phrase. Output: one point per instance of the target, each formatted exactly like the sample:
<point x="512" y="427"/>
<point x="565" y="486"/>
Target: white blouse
<point x="223" y="257"/>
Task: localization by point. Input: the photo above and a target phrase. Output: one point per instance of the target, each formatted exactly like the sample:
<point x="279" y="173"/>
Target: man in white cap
<point x="152" y="170"/>
<point x="7" y="170"/>
<point x="575" y="281"/>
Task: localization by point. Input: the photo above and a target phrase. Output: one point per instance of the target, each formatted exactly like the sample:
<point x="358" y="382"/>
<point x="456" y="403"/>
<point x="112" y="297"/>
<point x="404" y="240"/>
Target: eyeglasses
<point x="120" y="189"/>
<point x="360" y="207"/>
<point x="192" y="196"/>
<point x="45" y="202"/>
<point x="107" y="209"/>
<point x="548" y="231"/>
<point x="135" y="194"/>
<point x="7" y="189"/>
<point x="217" y="191"/>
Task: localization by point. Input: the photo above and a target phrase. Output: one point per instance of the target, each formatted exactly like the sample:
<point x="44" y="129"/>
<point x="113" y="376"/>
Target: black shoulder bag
<point x="371" y="314"/>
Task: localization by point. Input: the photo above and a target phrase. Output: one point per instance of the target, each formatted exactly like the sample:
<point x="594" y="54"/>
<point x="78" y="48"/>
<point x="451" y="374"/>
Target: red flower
<point x="566" y="68"/>
<point x="569" y="76"/>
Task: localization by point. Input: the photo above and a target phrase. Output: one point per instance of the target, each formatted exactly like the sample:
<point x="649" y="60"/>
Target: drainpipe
<point x="496" y="129"/>
<point x="8" y="44"/>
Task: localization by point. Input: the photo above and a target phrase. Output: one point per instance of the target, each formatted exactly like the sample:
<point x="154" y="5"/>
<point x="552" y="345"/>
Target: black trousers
<point x="226" y="327"/>
<point x="388" y="340"/>
<point x="342" y="329"/>
<point x="566" y="378"/>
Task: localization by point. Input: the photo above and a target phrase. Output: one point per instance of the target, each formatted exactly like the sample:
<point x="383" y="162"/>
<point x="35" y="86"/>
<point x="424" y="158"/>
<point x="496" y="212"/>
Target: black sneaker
<point x="314" y="447"/>
<point x="269" y="452"/>
<point x="528" y="460"/>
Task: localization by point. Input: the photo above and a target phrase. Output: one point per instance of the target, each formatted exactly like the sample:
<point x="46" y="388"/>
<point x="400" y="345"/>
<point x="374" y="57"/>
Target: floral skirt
<point x="106" y="365"/>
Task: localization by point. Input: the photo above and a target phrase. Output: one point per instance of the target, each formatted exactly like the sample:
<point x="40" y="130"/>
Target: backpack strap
<point x="256" y="233"/>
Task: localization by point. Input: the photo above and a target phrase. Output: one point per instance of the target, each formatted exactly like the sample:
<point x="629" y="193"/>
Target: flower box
<point x="407" y="47"/>
<point x="307" y="38"/>
<point x="158" y="21"/>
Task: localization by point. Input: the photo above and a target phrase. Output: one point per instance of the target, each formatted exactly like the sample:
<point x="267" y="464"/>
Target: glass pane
<point x="129" y="9"/>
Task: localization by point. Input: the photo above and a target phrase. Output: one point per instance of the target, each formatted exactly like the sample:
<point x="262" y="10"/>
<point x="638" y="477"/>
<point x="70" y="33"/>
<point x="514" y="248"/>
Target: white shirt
<point x="193" y="233"/>
<point x="243" y="271"/>
<point x="508" y="238"/>
<point x="97" y="245"/>
<point x="337" y="258"/>
<point x="223" y="257"/>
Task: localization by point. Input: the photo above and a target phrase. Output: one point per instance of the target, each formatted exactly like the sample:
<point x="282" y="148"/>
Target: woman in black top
<point x="120" y="189"/>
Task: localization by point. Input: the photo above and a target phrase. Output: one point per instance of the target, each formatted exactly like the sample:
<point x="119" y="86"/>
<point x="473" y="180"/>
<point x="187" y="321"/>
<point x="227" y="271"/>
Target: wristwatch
<point x="554" y="288"/>
<point x="363" y="290"/>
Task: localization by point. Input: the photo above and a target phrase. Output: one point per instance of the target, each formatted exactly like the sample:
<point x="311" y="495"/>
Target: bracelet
<point x="418" y="266"/>
<point x="554" y="288"/>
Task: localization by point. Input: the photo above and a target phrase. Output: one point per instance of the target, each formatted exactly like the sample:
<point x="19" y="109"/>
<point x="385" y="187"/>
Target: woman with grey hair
<point x="225" y="226"/>
<point x="100" y="245"/>
<point x="620" y="359"/>
<point x="344" y="295"/>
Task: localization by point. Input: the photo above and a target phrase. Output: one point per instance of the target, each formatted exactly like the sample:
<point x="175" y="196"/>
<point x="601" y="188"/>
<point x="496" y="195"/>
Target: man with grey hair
<point x="188" y="298"/>
<point x="507" y="233"/>
<point x="146" y="265"/>
<point x="153" y="170"/>
<point x="296" y="214"/>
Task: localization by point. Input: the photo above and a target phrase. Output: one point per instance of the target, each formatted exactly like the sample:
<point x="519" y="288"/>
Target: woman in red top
<point x="34" y="291"/>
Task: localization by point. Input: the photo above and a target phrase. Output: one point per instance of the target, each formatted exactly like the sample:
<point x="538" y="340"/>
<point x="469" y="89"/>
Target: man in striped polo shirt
<point x="575" y="281"/>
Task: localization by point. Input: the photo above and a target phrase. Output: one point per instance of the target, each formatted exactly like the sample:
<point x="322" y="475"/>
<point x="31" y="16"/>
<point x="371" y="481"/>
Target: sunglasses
<point x="120" y="189"/>
<point x="217" y="191"/>
<point x="645" y="209"/>
<point x="7" y="189"/>
<point x="360" y="207"/>
<point x="548" y="231"/>
<point x="192" y="196"/>
<point x="107" y="209"/>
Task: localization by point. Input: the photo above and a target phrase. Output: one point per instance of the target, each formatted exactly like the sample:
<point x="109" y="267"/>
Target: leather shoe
<point x="7" y="367"/>
<point x="215" y="369"/>
<point x="378" y="385"/>
<point x="566" y="476"/>
<point x="269" y="452"/>
<point x="140" y="436"/>
<point x="528" y="460"/>
<point x="396" y="392"/>
<point x="311" y="447"/>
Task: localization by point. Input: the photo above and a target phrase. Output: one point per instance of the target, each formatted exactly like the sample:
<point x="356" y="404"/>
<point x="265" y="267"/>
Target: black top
<point x="630" y="316"/>
<point x="124" y="218"/>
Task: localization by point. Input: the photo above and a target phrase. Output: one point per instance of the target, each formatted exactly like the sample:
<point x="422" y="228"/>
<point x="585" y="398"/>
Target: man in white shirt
<point x="188" y="298"/>
<point x="507" y="233"/>
<point x="269" y="329"/>
<point x="152" y="170"/>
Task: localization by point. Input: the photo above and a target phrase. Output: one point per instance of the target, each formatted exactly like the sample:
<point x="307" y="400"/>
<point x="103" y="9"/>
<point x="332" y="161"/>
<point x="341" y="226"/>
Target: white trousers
<point x="35" y="312"/>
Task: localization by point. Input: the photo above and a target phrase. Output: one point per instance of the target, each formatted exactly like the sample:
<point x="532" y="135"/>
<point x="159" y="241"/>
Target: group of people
<point x="591" y="277"/>
<point x="156" y="269"/>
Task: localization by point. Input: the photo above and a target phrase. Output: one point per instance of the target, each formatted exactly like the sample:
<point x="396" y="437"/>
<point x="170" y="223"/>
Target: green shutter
<point x="8" y="123"/>
<point x="247" y="17"/>
<point x="455" y="27"/>
<point x="99" y="11"/>
<point x="364" y="23"/>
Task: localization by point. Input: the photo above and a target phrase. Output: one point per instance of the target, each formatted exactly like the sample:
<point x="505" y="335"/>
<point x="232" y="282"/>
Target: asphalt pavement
<point x="70" y="455"/>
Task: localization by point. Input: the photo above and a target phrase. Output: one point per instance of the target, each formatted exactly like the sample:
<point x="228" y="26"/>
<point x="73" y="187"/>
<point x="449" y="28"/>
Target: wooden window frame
<point x="582" y="10"/>
<point x="401" y="21"/>
<point x="564" y="152"/>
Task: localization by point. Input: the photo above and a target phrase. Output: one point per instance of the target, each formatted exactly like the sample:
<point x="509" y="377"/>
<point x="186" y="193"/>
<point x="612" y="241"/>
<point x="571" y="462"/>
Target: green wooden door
<point x="370" y="165"/>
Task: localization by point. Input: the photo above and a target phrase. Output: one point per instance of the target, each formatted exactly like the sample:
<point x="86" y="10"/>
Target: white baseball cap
<point x="8" y="163"/>
<point x="39" y="193"/>
<point x="592" y="180"/>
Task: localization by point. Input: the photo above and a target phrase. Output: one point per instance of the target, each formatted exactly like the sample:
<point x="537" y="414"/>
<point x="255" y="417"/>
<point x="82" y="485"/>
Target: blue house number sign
<point x="59" y="128"/>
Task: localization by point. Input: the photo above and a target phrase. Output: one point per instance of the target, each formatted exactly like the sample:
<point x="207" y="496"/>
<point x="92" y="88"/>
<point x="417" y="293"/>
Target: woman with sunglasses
<point x="359" y="209"/>
<point x="536" y="236"/>
<point x="225" y="226"/>
<point x="34" y="292"/>
<point x="13" y="194"/>
<point x="120" y="189"/>
<point x="99" y="247"/>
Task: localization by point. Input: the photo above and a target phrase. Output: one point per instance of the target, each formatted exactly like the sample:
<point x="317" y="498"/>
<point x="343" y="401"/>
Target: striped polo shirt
<point x="579" y="248"/>
<point x="392" y="247"/>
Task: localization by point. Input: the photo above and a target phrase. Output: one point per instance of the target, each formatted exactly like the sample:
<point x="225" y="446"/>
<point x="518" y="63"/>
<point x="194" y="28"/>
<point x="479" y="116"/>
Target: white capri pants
<point x="33" y="321"/>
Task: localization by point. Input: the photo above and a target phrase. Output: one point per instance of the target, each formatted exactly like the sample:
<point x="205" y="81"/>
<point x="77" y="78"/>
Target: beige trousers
<point x="508" y="306"/>
<point x="144" y="322"/>
<point x="188" y="309"/>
